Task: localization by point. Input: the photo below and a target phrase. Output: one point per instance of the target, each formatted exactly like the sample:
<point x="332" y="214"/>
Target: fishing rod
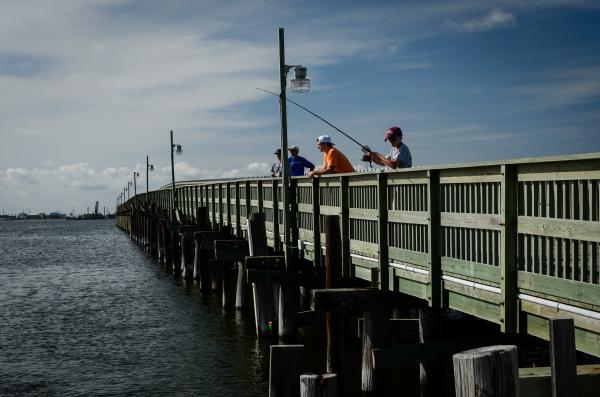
<point x="365" y="149"/>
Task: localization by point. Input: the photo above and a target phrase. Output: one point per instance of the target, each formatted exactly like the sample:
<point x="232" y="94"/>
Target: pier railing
<point x="513" y="242"/>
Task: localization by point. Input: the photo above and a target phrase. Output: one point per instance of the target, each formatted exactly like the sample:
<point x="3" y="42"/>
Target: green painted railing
<point x="514" y="242"/>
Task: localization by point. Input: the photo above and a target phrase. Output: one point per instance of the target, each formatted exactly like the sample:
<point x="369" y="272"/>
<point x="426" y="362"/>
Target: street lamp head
<point x="151" y="167"/>
<point x="136" y="173"/>
<point x="300" y="84"/>
<point x="178" y="150"/>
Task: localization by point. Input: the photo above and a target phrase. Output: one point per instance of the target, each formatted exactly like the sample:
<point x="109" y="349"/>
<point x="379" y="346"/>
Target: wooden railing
<point x="513" y="242"/>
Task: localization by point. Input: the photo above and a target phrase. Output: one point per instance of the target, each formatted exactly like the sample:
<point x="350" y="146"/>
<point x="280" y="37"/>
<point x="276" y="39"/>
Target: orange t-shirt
<point x="336" y="159"/>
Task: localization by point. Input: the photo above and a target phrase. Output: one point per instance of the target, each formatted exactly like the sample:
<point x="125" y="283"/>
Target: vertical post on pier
<point x="431" y="374"/>
<point x="487" y="371"/>
<point x="334" y="321"/>
<point x="264" y="309"/>
<point x="434" y="295"/>
<point x="238" y="207"/>
<point x="284" y="370"/>
<point x="228" y="206"/>
<point x="345" y="227"/>
<point x="382" y="225"/>
<point x="563" y="357"/>
<point x="508" y="250"/>
<point x="316" y="223"/>
<point x="312" y="385"/>
<point x="276" y="236"/>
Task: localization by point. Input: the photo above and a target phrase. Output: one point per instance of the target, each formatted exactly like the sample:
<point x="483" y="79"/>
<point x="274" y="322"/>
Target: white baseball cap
<point x="294" y="147"/>
<point x="324" y="139"/>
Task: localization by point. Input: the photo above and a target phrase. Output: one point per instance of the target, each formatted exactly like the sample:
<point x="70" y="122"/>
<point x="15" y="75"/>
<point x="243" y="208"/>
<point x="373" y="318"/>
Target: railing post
<point x="220" y="187"/>
<point x="508" y="250"/>
<point x="434" y="230"/>
<point x="294" y="211"/>
<point x="316" y="222"/>
<point x="228" y="205"/>
<point x="238" y="226"/>
<point x="214" y="206"/>
<point x="260" y="196"/>
<point x="276" y="238"/>
<point x="382" y="225"/>
<point x="345" y="227"/>
<point x="248" y="197"/>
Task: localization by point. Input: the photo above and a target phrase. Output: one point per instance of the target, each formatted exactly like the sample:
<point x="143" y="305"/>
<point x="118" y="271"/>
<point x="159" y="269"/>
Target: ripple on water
<point x="85" y="312"/>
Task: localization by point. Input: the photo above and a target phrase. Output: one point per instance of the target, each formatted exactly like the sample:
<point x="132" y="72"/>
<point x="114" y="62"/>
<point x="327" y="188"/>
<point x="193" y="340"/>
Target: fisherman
<point x="399" y="156"/>
<point x="334" y="161"/>
<point x="298" y="163"/>
<point x="276" y="167"/>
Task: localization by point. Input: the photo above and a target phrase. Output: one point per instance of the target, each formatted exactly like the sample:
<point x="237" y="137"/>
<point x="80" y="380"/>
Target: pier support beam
<point x="491" y="371"/>
<point x="264" y="305"/>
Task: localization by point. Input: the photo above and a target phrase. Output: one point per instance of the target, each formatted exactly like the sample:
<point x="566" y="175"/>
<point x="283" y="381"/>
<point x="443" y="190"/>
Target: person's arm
<point x="309" y="165"/>
<point x="380" y="159"/>
<point x="329" y="170"/>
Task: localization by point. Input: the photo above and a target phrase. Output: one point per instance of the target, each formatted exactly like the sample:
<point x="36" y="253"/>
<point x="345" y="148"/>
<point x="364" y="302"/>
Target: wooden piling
<point x="563" y="357"/>
<point x="312" y="385"/>
<point x="241" y="292"/>
<point x="334" y="321"/>
<point x="374" y="329"/>
<point x="228" y="286"/>
<point x="264" y="308"/>
<point x="491" y="371"/>
<point x="431" y="373"/>
<point x="285" y="370"/>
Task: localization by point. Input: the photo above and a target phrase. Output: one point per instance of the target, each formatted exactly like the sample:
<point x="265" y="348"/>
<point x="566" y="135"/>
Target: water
<point x="85" y="312"/>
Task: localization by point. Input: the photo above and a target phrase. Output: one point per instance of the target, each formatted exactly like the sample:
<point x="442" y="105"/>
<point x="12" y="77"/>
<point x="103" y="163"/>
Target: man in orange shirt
<point x="334" y="161"/>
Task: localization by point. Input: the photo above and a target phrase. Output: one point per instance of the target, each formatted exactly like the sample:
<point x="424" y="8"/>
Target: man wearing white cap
<point x="298" y="163"/>
<point x="334" y="161"/>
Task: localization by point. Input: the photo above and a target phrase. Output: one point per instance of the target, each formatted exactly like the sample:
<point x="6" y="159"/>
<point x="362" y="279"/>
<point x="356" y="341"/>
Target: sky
<point x="90" y="88"/>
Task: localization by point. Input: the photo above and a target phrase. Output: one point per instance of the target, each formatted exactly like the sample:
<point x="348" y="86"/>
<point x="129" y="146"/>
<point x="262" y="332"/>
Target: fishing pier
<point x="515" y="243"/>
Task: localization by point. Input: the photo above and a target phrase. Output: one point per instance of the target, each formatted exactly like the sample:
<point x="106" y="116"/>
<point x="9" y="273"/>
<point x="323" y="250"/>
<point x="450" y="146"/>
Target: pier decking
<point x="512" y="242"/>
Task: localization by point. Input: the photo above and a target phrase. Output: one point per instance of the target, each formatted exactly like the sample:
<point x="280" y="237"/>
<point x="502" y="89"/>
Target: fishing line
<point x="364" y="148"/>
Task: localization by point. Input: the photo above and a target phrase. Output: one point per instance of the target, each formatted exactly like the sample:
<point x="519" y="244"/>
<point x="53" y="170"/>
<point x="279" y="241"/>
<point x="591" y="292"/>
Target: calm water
<point x="84" y="311"/>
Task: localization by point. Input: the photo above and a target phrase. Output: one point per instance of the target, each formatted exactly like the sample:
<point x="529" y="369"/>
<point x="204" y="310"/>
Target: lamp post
<point x="135" y="174"/>
<point x="128" y="184"/>
<point x="149" y="167"/>
<point x="174" y="149"/>
<point x="299" y="84"/>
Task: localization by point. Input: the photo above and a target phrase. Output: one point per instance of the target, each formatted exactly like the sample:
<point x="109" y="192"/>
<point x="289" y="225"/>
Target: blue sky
<point x="91" y="88"/>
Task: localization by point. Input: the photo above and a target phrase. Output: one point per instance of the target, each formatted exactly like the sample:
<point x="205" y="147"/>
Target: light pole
<point x="128" y="184"/>
<point x="177" y="149"/>
<point x="287" y="308"/>
<point x="135" y="174"/>
<point x="149" y="167"/>
<point x="124" y="194"/>
<point x="299" y="84"/>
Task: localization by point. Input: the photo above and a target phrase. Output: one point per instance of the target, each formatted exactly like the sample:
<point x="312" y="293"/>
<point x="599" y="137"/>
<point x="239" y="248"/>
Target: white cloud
<point x="563" y="87"/>
<point x="495" y="19"/>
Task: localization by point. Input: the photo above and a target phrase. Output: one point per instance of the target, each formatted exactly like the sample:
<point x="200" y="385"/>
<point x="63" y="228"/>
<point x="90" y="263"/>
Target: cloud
<point x="565" y="87"/>
<point x="493" y="20"/>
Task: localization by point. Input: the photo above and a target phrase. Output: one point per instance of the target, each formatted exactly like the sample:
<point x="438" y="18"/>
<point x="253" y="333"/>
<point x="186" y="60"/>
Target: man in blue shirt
<point x="298" y="163"/>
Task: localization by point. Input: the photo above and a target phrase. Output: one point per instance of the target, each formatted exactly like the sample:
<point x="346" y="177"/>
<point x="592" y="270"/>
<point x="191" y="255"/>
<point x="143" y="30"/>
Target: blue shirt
<point x="298" y="164"/>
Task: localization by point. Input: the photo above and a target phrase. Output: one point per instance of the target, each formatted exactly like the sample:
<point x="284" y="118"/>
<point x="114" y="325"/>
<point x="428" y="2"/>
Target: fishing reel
<point x="367" y="155"/>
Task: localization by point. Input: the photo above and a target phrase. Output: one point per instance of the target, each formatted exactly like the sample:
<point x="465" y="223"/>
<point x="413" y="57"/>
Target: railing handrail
<point x="437" y="167"/>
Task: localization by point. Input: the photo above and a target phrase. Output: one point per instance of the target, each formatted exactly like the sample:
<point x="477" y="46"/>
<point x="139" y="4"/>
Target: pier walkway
<point x="512" y="242"/>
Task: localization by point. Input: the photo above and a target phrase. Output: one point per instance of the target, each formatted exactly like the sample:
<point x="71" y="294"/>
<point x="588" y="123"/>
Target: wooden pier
<point x="516" y="243"/>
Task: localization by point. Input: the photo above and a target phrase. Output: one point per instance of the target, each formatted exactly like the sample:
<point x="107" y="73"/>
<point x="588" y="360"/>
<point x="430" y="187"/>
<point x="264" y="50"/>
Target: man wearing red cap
<point x="399" y="156"/>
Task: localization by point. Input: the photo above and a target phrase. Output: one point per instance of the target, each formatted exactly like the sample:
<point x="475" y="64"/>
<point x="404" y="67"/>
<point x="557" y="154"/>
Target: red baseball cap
<point x="393" y="132"/>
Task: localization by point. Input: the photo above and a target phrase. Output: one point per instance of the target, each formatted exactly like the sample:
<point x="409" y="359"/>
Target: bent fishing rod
<point x="364" y="148"/>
